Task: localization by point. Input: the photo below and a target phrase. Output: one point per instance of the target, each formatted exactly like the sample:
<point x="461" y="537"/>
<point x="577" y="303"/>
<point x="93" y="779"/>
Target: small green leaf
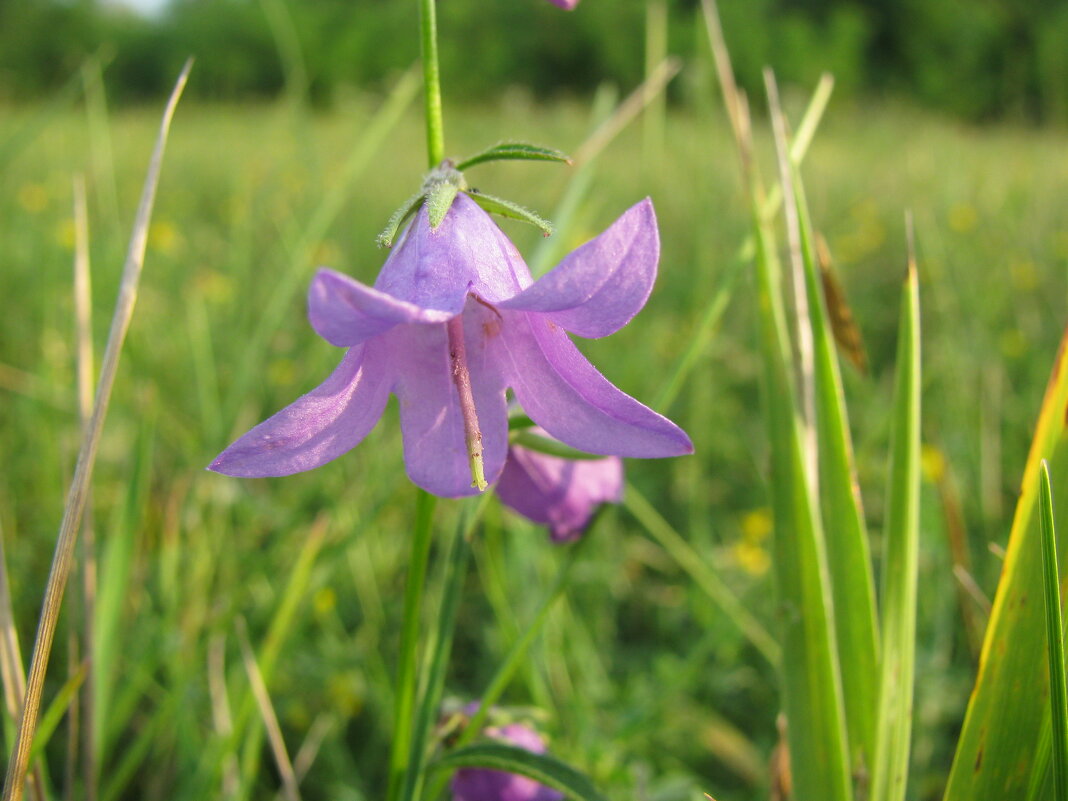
<point x="506" y="208"/>
<point x="396" y="220"/>
<point x="542" y="768"/>
<point x="439" y="200"/>
<point x="520" y="421"/>
<point x="514" y="151"/>
<point x="535" y="442"/>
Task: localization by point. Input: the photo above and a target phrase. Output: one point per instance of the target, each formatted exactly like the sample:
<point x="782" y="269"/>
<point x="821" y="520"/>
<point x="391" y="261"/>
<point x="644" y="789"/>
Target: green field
<point x="639" y="678"/>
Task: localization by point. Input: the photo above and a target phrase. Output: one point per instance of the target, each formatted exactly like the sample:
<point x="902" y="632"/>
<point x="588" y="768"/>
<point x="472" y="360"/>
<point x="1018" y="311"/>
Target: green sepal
<point x="506" y="208"/>
<point x="525" y="438"/>
<point x="439" y="200"/>
<point x="515" y="151"/>
<point x="396" y="220"/>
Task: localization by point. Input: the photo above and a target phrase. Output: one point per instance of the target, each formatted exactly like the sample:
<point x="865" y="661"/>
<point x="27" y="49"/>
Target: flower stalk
<point x="462" y="378"/>
<point x="435" y="128"/>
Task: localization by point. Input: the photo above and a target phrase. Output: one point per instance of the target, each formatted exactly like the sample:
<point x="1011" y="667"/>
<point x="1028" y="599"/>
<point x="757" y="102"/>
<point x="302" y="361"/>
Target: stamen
<point x="462" y="378"/>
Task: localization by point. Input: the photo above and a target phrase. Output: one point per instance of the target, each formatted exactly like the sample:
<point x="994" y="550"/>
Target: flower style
<point x="453" y="321"/>
<point x="560" y="493"/>
<point x="480" y="784"/>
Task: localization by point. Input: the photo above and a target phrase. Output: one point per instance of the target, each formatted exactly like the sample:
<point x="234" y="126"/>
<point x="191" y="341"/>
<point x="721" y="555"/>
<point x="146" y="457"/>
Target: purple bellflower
<point x="557" y="492"/>
<point x="453" y="321"/>
<point x="480" y="784"/>
<point x="566" y="4"/>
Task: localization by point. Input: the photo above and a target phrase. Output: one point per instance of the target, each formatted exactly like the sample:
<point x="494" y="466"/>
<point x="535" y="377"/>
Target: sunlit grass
<point x="639" y="678"/>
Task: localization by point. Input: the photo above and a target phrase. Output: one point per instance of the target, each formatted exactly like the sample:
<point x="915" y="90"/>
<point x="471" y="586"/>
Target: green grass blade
<point x="52" y="716"/>
<point x="63" y="556"/>
<point x="542" y="768"/>
<point x="811" y="677"/>
<point x="998" y="750"/>
<point x="1058" y="695"/>
<point x="436" y="661"/>
<point x="409" y="660"/>
<point x="894" y="725"/>
<point x="848" y="552"/>
<point x="703" y="575"/>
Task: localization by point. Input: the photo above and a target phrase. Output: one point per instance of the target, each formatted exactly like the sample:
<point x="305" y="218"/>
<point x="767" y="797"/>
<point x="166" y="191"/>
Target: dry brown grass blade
<point x="843" y="323"/>
<point x="79" y="489"/>
<point x="11" y="670"/>
<point x="270" y="719"/>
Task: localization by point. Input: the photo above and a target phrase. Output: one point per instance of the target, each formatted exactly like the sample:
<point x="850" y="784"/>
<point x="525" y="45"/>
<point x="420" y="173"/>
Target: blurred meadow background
<point x="299" y="134"/>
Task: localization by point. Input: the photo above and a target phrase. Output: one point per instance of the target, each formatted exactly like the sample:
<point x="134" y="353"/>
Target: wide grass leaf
<point x="848" y="553"/>
<point x="998" y="750"/>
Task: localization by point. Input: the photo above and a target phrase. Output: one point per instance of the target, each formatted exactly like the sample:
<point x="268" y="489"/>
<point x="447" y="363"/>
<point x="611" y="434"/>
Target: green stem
<point x="435" y="128"/>
<point x="409" y="656"/>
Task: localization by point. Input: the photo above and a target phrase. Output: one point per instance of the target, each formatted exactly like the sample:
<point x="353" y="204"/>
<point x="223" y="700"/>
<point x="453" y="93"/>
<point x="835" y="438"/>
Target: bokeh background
<point x="291" y="149"/>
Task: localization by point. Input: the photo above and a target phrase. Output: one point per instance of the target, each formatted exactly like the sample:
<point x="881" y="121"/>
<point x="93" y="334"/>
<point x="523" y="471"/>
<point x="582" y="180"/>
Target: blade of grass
<point x="703" y="575"/>
<point x="848" y="550"/>
<point x="810" y="673"/>
<point x="11" y="670"/>
<point x="267" y="713"/>
<point x="278" y="630"/>
<point x="1058" y="695"/>
<point x="409" y="657"/>
<point x="83" y="311"/>
<point x="889" y="774"/>
<point x="998" y="750"/>
<point x="436" y="658"/>
<point x="72" y="514"/>
<point x="65" y="696"/>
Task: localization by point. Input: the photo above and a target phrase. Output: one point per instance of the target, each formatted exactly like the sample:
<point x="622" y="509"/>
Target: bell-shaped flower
<point x="558" y="492"/>
<point x="481" y="784"/>
<point x="453" y="321"/>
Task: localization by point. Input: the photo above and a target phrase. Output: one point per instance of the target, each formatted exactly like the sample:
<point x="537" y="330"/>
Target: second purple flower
<point x="453" y="321"/>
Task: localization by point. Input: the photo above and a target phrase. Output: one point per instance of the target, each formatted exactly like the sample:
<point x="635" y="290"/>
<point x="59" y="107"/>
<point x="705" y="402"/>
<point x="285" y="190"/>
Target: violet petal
<point x="345" y="312"/>
<point x="318" y="427"/>
<point x="435" y="452"/>
<point x="564" y="394"/>
<point x="466" y="253"/>
<point x="599" y="287"/>
<point x="562" y="494"/>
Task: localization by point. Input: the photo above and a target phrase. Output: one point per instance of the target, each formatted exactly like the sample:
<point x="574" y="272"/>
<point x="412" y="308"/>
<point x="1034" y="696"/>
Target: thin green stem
<point x="409" y="655"/>
<point x="435" y="128"/>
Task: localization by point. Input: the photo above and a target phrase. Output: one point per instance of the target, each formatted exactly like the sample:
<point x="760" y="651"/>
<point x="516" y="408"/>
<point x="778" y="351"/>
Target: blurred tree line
<point x="975" y="58"/>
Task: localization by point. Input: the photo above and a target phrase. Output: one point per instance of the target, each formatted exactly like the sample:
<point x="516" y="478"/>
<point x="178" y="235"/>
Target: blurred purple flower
<point x="454" y="320"/>
<point x="560" y="493"/>
<point x="567" y="4"/>
<point x="479" y="784"/>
